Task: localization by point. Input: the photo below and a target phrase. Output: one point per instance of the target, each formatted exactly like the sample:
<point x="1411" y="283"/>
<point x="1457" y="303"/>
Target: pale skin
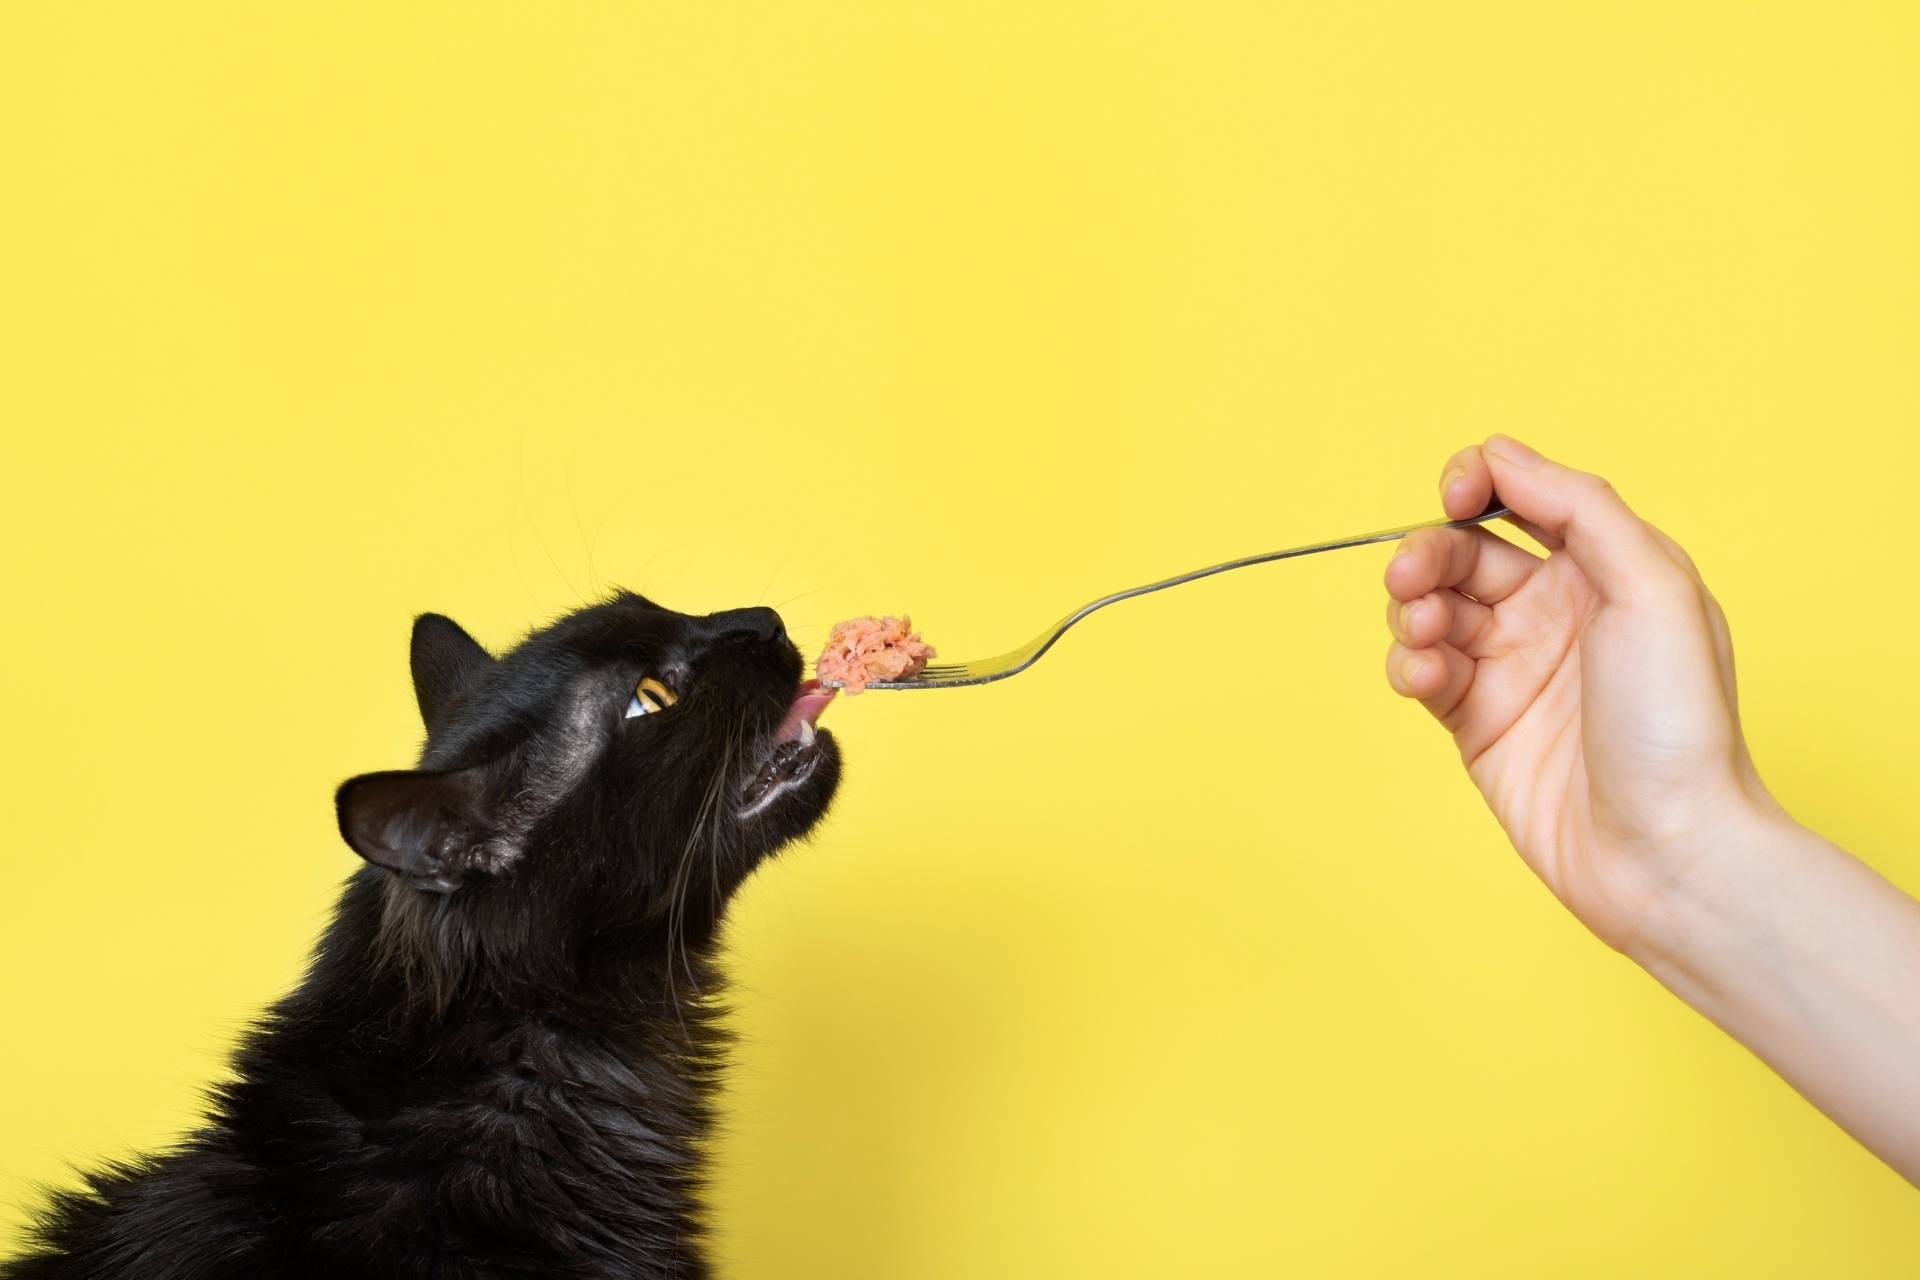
<point x="1591" y="694"/>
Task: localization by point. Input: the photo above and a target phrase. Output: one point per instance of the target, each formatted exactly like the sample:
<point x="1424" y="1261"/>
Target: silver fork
<point x="951" y="675"/>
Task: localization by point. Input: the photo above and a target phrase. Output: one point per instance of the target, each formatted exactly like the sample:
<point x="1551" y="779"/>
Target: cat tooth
<point x="806" y="733"/>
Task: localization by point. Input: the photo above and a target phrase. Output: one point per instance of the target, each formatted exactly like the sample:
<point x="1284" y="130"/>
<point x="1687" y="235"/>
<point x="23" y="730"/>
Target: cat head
<point x="617" y="774"/>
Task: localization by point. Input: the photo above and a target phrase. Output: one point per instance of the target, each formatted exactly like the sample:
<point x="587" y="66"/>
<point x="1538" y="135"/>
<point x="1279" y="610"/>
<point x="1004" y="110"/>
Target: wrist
<point x="1807" y="957"/>
<point x="1725" y="906"/>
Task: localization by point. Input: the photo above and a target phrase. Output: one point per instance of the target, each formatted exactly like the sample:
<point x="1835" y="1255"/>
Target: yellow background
<point x="1189" y="952"/>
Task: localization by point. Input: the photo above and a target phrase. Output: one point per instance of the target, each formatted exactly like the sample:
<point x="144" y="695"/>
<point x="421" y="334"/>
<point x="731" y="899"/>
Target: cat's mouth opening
<point x="793" y="753"/>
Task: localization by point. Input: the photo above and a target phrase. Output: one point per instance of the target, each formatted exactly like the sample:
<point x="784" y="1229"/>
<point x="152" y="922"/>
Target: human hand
<point x="1591" y="693"/>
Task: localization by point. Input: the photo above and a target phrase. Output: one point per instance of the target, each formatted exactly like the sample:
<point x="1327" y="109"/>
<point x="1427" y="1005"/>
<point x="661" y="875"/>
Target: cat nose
<point x="757" y="623"/>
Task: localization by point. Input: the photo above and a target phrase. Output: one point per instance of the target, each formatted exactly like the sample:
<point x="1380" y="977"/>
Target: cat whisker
<point x="706" y="821"/>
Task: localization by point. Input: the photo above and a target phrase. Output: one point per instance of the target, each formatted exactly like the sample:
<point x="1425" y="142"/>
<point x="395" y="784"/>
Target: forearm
<point x="1812" y="960"/>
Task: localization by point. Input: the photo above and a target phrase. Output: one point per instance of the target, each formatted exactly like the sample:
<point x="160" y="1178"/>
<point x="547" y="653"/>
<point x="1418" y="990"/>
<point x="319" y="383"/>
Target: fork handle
<point x="1493" y="512"/>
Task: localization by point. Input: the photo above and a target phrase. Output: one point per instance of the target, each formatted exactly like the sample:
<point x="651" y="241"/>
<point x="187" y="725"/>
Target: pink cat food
<point x="864" y="649"/>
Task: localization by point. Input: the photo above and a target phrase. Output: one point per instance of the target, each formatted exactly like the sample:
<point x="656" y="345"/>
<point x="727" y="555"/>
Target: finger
<point x="1438" y="678"/>
<point x="1615" y="548"/>
<point x="1466" y="489"/>
<point x="1440" y="616"/>
<point x="1552" y="542"/>
<point x="1470" y="561"/>
<point x="1466" y="484"/>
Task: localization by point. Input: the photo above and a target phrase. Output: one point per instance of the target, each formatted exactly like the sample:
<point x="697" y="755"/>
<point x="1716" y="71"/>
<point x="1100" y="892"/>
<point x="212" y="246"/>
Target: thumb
<point x="1617" y="550"/>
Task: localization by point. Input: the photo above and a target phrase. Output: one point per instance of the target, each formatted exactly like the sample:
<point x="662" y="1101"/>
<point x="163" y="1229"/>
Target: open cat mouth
<point x="793" y="753"/>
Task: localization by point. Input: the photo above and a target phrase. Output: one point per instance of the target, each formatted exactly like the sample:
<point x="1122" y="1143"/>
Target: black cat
<point x="501" y="1058"/>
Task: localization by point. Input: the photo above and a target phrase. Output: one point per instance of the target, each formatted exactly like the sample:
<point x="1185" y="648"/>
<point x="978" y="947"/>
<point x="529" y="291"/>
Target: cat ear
<point x="446" y="660"/>
<point x="427" y="828"/>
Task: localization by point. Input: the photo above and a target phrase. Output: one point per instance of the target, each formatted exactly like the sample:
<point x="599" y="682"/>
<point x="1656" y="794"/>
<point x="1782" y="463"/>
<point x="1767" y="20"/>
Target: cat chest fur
<point x="548" y="1147"/>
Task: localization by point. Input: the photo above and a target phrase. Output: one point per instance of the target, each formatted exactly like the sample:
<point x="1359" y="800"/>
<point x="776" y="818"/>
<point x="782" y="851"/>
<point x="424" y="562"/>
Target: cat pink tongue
<point x="807" y="706"/>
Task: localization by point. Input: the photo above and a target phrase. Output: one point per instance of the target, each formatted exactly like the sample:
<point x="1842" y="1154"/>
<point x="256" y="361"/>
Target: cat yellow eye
<point x="650" y="696"/>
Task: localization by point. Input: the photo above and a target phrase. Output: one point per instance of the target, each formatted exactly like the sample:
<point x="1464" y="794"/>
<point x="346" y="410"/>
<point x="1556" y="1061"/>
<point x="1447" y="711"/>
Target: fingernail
<point x="1408" y="669"/>
<point x="1405" y="612"/>
<point x="1446" y="481"/>
<point x="1507" y="449"/>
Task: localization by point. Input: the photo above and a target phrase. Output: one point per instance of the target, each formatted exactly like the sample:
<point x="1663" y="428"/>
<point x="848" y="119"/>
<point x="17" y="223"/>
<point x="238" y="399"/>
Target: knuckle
<point x="1716" y="613"/>
<point x="1667" y="591"/>
<point x="1598" y="488"/>
<point x="1678" y="553"/>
